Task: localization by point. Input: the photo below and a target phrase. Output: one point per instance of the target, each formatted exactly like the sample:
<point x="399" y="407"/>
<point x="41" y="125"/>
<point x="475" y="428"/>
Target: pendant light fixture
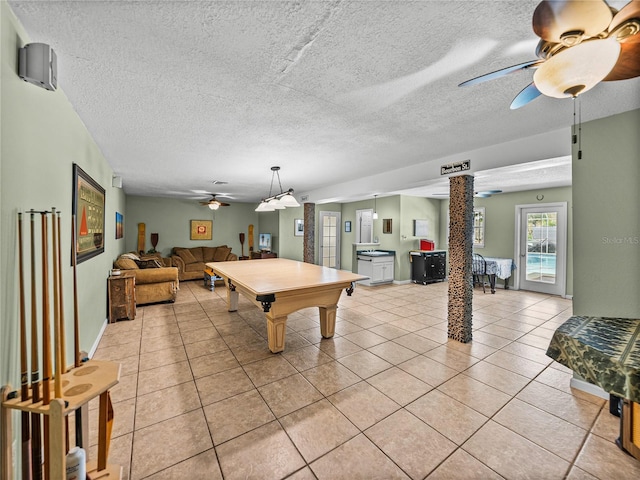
<point x="279" y="201"/>
<point x="375" y="212"/>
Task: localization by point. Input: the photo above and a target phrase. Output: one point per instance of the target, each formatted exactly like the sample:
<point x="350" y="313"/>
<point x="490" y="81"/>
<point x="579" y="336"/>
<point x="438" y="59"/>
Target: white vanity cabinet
<point x="377" y="265"/>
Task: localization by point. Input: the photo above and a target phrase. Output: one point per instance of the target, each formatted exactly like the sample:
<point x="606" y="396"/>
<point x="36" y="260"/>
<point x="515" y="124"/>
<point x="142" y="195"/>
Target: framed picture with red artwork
<point x="201" y="229"/>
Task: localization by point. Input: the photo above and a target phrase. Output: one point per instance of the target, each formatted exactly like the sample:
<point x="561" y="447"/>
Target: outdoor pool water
<point x="544" y="263"/>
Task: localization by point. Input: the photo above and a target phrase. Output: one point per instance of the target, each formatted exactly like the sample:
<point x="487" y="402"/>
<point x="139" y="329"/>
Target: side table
<point x="122" y="296"/>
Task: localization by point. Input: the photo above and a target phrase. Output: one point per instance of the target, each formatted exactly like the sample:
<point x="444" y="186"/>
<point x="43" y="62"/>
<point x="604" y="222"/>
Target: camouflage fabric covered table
<point x="603" y="351"/>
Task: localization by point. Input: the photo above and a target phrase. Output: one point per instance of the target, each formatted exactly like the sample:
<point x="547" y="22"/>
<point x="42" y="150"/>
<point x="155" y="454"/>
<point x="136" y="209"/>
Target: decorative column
<point x="308" y="254"/>
<point x="460" y="258"/>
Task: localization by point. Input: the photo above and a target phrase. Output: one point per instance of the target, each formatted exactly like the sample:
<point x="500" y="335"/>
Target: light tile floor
<point x="201" y="397"/>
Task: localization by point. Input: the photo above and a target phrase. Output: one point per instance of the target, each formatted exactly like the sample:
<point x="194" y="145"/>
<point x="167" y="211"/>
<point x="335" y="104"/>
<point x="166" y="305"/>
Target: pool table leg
<point x="328" y="321"/>
<point x="276" y="330"/>
<point x="232" y="298"/>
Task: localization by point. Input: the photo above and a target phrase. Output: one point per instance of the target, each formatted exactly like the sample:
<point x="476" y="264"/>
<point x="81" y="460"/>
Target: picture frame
<point x="420" y="228"/>
<point x="201" y="229"/>
<point x="119" y="225"/>
<point x="298" y="227"/>
<point x="387" y="225"/>
<point x="88" y="201"/>
<point x="347" y="226"/>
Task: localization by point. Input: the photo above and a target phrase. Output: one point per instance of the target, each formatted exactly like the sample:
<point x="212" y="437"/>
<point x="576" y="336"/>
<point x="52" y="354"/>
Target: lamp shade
<point x="214" y="206"/>
<point x="577" y="69"/>
<point x="276" y="204"/>
<point x="289" y="200"/>
<point x="264" y="207"/>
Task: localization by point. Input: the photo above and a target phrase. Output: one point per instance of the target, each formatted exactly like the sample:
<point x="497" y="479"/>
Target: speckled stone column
<point x="308" y="247"/>
<point x="460" y="256"/>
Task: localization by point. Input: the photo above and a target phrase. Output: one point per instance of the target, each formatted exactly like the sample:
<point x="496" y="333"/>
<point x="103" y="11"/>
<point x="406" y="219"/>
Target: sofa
<point x="190" y="261"/>
<point x="156" y="280"/>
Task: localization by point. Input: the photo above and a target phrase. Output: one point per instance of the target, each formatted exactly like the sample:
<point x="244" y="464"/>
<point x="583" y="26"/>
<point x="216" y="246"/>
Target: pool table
<point x="281" y="286"/>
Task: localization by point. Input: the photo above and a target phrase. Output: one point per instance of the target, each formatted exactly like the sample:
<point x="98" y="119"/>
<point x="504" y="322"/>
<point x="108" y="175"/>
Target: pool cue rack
<point x="81" y="385"/>
<point x="48" y="399"/>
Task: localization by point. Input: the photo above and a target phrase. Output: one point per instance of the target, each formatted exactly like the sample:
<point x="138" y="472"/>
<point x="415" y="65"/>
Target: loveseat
<point x="156" y="280"/>
<point x="190" y="261"/>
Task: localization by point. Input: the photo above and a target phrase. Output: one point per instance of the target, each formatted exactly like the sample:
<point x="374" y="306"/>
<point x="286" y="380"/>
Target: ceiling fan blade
<point x="629" y="11"/>
<point x="526" y="95"/>
<point x="500" y="73"/>
<point x="628" y="64"/>
<point x="553" y="18"/>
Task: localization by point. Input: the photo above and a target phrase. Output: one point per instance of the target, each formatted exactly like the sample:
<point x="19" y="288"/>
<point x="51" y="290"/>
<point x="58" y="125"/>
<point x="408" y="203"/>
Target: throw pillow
<point x="152" y="263"/>
<point x="208" y="254"/>
<point x="125" y="264"/>
<point x="197" y="253"/>
<point x="221" y="254"/>
<point x="186" y="255"/>
<point x="131" y="256"/>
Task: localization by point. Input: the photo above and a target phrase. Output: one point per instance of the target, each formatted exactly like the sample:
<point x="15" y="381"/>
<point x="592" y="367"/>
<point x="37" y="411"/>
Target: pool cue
<point x="36" y="434"/>
<point x="76" y="318"/>
<point x="61" y="363"/>
<point x="57" y="355"/>
<point x="63" y="342"/>
<point x="24" y="367"/>
<point x="76" y="326"/>
<point x="46" y="338"/>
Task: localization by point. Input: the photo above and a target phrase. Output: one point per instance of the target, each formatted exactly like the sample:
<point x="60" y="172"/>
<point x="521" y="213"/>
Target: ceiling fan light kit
<point x="575" y="70"/>
<point x="279" y="201"/>
<point x="214" y="203"/>
<point x="582" y="43"/>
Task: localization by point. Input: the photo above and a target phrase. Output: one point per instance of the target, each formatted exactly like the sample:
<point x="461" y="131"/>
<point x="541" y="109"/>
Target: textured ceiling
<point x="350" y="98"/>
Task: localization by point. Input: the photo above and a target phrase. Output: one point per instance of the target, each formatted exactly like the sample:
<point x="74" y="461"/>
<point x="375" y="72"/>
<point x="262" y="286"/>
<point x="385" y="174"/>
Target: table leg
<point x="276" y="331"/>
<point x="492" y="282"/>
<point x="232" y="298"/>
<point x="328" y="321"/>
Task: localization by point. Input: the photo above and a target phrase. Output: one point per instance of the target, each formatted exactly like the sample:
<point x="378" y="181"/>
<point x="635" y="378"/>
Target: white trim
<point x="584" y="386"/>
<point x="562" y="269"/>
<point x="94" y="347"/>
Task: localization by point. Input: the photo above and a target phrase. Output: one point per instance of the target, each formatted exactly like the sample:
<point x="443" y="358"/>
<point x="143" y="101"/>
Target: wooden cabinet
<point x="122" y="296"/>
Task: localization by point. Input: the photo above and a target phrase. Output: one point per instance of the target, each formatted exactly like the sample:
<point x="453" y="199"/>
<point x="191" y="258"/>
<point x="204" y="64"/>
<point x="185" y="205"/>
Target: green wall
<point x="415" y="208"/>
<point x="290" y="246"/>
<point x="171" y="220"/>
<point x="606" y="197"/>
<point x="41" y="137"/>
<point x="500" y="223"/>
<point x="402" y="210"/>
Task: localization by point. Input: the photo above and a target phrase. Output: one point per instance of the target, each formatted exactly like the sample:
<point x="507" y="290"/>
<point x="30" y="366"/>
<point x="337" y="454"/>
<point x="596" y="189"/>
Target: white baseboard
<point x="587" y="387"/>
<point x="94" y="347"/>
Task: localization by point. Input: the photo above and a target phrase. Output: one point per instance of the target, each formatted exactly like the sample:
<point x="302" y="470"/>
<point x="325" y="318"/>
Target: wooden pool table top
<point x="273" y="275"/>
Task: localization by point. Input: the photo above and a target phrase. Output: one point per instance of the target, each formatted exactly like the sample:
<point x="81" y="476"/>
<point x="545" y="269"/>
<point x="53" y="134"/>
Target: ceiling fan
<point x="581" y="44"/>
<point x="213" y="203"/>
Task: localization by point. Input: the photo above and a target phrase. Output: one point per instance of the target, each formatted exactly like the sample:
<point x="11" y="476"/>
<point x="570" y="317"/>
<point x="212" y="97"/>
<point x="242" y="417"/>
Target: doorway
<point x="541" y="248"/>
<point x="330" y="239"/>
